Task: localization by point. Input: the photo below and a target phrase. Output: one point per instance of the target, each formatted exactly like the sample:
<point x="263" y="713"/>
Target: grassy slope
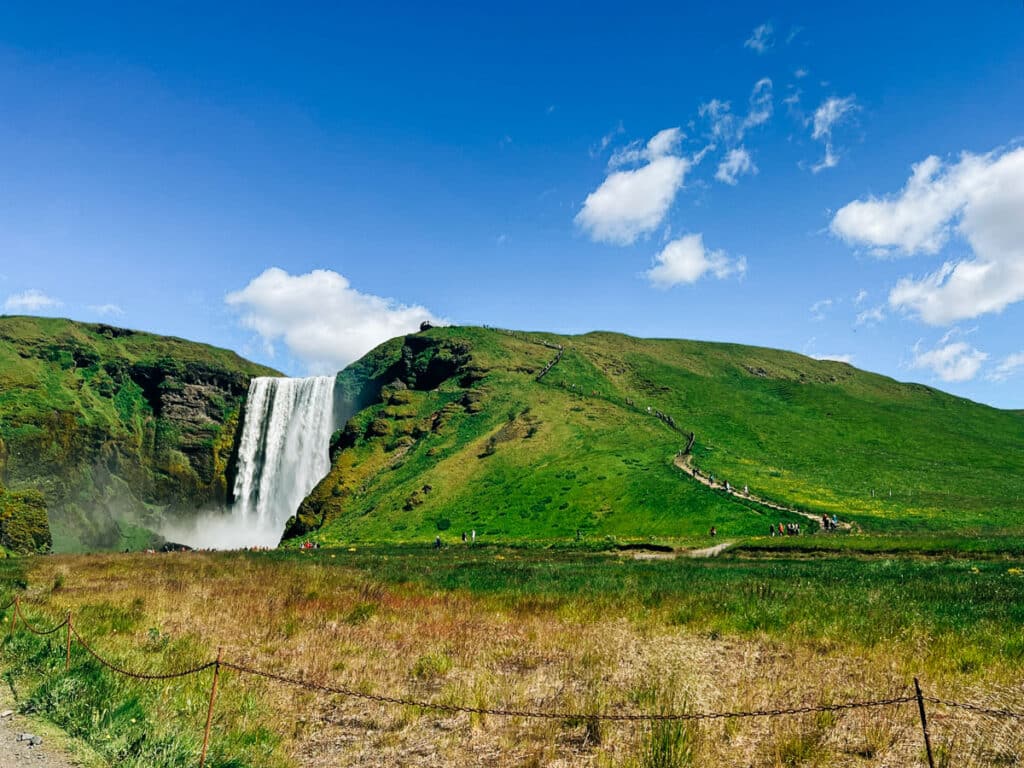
<point x="70" y="401"/>
<point x="513" y="458"/>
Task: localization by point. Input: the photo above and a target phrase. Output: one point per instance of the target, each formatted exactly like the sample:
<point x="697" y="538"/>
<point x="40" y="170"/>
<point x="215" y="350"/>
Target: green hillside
<point x="114" y="428"/>
<point x="450" y="431"/>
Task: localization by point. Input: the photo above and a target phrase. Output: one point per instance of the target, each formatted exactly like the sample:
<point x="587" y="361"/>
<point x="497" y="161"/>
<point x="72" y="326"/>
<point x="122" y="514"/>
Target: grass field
<point x="535" y="629"/>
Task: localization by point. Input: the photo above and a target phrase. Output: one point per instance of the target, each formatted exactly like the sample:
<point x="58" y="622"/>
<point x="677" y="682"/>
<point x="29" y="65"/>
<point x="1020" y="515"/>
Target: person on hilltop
<point x="437" y="542"/>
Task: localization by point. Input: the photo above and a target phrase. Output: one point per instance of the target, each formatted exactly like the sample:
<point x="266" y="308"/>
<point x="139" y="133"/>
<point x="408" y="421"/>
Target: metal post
<point x="67" y="657"/>
<point x="209" y="712"/>
<point x="924" y="724"/>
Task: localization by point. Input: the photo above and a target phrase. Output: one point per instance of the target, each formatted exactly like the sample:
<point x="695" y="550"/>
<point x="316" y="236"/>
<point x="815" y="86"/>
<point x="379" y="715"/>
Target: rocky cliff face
<point x="117" y="430"/>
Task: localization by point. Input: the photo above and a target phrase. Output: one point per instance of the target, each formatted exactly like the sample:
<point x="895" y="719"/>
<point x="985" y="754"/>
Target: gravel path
<point x="709" y="551"/>
<point x="15" y="754"/>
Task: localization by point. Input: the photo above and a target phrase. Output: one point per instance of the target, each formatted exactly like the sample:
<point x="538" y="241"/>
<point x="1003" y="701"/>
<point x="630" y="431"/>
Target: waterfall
<point x="283" y="453"/>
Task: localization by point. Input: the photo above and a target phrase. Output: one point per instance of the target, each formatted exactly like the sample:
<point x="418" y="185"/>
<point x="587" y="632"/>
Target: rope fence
<point x="220" y="663"/>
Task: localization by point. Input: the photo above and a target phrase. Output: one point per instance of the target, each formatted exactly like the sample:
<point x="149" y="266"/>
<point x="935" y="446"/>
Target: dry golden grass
<point x="333" y="624"/>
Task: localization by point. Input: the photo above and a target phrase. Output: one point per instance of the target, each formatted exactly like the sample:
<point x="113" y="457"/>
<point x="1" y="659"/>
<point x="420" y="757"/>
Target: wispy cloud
<point x="106" y="310"/>
<point x="607" y="140"/>
<point x="735" y="163"/>
<point x="871" y="316"/>
<point x="32" y="300"/>
<point x="1008" y="366"/>
<point x="819" y="309"/>
<point x="829" y="114"/>
<point x="761" y="39"/>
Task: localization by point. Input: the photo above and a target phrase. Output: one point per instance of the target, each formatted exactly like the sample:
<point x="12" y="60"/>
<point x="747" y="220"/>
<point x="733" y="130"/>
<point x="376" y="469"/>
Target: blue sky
<point x="837" y="180"/>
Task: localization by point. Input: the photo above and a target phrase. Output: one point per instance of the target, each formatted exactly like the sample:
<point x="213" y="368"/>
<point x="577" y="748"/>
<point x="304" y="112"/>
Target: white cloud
<point x="32" y="300"/>
<point x="958" y="361"/>
<point x="830" y="113"/>
<point x="664" y="142"/>
<point x="848" y="359"/>
<point x="631" y="203"/>
<point x="830" y="160"/>
<point x="860" y="297"/>
<point x="820" y="308"/>
<point x="761" y="106"/>
<point x="106" y="310"/>
<point x="980" y="199"/>
<point x="1007" y="367"/>
<point x="321" y="319"/>
<point x="726" y="127"/>
<point x="800" y="74"/>
<point x="761" y="39"/>
<point x="719" y="114"/>
<point x="735" y="163"/>
<point x="686" y="260"/>
<point x="871" y="316"/>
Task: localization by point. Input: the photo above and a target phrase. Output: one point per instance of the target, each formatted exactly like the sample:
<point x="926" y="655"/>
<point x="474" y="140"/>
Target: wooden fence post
<point x="67" y="657"/>
<point x="924" y="724"/>
<point x="209" y="712"/>
<point x="14" y="616"/>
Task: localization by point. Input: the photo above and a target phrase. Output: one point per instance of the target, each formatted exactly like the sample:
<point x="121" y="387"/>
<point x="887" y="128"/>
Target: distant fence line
<point x="72" y="635"/>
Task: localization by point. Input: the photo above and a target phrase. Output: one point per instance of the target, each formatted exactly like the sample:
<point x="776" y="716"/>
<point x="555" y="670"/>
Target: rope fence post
<point x="67" y="654"/>
<point x="924" y="724"/>
<point x="209" y="712"/>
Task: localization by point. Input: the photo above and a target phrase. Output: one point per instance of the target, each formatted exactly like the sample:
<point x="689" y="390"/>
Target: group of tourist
<point x="829" y="523"/>
<point x="785" y="529"/>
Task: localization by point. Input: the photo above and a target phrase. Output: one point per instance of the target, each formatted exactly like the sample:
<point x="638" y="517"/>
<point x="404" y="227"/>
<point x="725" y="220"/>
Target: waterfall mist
<point x="282" y="454"/>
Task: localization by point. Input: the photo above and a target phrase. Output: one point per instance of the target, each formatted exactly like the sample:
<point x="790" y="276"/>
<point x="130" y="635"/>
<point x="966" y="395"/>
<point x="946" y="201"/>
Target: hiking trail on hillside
<point x="685" y="463"/>
<point x="684" y="460"/>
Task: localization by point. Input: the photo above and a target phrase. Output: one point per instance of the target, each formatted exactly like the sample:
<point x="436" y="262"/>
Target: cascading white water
<point x="283" y="453"/>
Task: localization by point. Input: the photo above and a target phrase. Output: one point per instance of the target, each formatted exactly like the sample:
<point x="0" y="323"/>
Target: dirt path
<point x="708" y="551"/>
<point x="17" y="754"/>
<point x="685" y="464"/>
